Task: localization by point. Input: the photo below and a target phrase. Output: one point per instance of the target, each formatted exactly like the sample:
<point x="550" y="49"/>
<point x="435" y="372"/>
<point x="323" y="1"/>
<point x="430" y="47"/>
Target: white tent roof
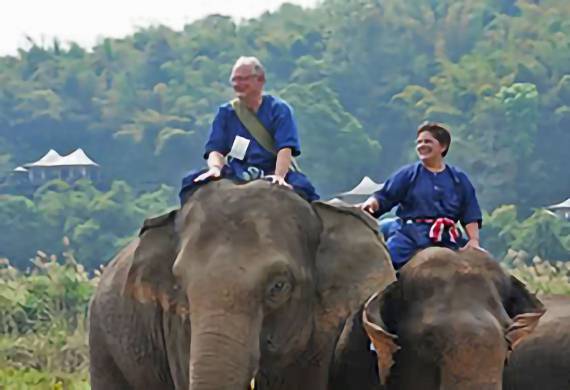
<point x="54" y="159"/>
<point x="337" y="202"/>
<point x="366" y="187"/>
<point x="47" y="160"/>
<point x="563" y="205"/>
<point x="78" y="157"/>
<point x="20" y="169"/>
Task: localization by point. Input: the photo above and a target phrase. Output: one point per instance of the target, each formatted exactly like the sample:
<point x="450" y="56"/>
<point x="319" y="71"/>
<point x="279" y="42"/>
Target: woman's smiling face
<point x="428" y="147"/>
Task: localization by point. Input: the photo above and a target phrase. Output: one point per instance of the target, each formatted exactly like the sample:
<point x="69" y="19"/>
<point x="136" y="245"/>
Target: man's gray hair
<point x="258" y="69"/>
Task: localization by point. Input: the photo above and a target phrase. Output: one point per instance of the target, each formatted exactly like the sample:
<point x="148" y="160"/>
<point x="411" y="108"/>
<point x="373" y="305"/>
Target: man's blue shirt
<point x="275" y="115"/>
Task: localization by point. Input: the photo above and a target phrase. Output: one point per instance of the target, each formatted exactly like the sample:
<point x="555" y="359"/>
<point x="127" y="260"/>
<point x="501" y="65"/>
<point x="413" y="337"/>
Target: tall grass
<point x="541" y="276"/>
<point x="43" y="328"/>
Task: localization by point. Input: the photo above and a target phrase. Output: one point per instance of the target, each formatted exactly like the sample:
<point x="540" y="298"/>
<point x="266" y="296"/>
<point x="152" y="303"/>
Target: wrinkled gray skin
<point x="542" y="360"/>
<point x="259" y="280"/>
<point x="447" y="324"/>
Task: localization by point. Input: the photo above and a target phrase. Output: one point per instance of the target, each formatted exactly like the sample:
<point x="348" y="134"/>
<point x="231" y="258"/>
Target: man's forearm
<point x="284" y="158"/>
<point x="472" y="231"/>
<point x="216" y="159"/>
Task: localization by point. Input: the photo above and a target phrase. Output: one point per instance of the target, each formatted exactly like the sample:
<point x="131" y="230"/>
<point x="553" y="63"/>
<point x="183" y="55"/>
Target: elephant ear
<point x="352" y="262"/>
<point x="380" y="309"/>
<point x="525" y="311"/>
<point x="150" y="277"/>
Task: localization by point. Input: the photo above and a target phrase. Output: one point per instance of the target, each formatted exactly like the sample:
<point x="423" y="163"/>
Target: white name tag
<point x="239" y="148"/>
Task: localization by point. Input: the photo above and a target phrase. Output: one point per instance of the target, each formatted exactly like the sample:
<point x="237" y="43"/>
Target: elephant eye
<point x="279" y="287"/>
<point x="278" y="292"/>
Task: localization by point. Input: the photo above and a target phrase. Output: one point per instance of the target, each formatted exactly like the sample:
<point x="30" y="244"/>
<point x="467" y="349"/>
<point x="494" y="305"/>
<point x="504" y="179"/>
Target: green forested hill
<point x="360" y="74"/>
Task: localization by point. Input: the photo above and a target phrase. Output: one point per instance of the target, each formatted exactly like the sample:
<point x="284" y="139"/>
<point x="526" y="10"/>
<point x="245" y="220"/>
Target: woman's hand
<point x="371" y="205"/>
<point x="473" y="234"/>
<point x="473" y="243"/>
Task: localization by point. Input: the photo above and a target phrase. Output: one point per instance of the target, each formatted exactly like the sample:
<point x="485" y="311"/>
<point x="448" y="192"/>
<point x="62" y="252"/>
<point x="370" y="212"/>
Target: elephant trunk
<point x="224" y="351"/>
<point x="475" y="354"/>
<point x="454" y="384"/>
<point x="481" y="375"/>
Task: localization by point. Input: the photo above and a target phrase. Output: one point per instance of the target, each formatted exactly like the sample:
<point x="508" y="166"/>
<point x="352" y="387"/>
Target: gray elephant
<point x="447" y="323"/>
<point x="244" y="281"/>
<point x="542" y="360"/>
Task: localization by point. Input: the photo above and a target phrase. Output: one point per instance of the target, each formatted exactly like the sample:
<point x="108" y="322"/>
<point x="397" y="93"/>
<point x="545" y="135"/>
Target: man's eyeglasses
<point x="237" y="79"/>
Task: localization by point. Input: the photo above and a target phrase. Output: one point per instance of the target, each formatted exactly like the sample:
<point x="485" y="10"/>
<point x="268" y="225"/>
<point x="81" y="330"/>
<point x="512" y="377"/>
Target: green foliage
<point x="25" y="379"/>
<point x="360" y="74"/>
<point x="43" y="313"/>
<point x="96" y="222"/>
<point x="541" y="276"/>
<point x="326" y="127"/>
<point x="500" y="229"/>
<point x="545" y="235"/>
<point x="542" y="234"/>
<point x="50" y="289"/>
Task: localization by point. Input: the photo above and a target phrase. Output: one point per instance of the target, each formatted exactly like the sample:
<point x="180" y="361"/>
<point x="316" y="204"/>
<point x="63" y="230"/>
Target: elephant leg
<point x="103" y="372"/>
<point x="105" y="375"/>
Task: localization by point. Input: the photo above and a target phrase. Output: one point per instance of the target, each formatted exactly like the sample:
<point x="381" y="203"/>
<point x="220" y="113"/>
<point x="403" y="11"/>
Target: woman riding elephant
<point x="432" y="197"/>
<point x="240" y="292"/>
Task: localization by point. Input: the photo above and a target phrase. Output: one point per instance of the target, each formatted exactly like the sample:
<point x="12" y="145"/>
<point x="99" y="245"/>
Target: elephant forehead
<point x="249" y="220"/>
<point x="222" y="199"/>
<point x="253" y="234"/>
<point x="439" y="268"/>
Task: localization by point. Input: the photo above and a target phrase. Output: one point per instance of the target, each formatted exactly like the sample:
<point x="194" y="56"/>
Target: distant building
<point x="18" y="177"/>
<point x="69" y="168"/>
<point x="361" y="192"/>
<point x="561" y="209"/>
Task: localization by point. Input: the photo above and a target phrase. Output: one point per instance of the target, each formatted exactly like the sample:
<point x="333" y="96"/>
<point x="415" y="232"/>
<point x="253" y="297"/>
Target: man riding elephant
<point x="432" y="197"/>
<point x="226" y="290"/>
<point x="256" y="133"/>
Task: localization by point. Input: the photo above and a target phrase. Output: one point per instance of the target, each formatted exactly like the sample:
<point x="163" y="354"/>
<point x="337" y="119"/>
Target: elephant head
<point x="449" y="322"/>
<point x="268" y="281"/>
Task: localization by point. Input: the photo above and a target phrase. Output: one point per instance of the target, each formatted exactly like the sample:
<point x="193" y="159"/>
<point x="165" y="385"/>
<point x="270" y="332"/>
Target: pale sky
<point x="87" y="21"/>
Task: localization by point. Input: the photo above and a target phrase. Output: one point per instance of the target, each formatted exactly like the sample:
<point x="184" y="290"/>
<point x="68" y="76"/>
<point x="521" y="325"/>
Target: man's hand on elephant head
<point x="214" y="172"/>
<point x="276" y="179"/>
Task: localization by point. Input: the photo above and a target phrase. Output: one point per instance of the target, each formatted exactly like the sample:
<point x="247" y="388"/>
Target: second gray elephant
<point x="449" y="322"/>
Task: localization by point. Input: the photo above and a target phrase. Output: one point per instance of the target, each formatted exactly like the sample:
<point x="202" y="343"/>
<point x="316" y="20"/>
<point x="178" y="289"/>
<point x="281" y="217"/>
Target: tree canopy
<point x="360" y="75"/>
